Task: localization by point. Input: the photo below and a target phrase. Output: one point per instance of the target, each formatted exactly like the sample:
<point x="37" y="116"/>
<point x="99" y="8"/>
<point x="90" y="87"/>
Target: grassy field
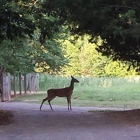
<point x="99" y="92"/>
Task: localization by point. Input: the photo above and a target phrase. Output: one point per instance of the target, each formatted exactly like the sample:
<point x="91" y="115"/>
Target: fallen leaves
<point x="131" y="117"/>
<point x="5" y="117"/>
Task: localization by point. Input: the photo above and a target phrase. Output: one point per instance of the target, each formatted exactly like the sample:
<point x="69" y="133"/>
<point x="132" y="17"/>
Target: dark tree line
<point x="116" y="22"/>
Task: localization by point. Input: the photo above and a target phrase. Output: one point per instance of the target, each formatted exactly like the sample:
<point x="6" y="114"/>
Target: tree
<point x="16" y="18"/>
<point x="72" y="53"/>
<point x="23" y="17"/>
<point x="116" y="22"/>
<point x="29" y="55"/>
<point x="28" y="36"/>
<point x="86" y="60"/>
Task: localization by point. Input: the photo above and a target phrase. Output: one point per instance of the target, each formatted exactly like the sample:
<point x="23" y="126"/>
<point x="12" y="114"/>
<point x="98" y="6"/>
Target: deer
<point x="61" y="92"/>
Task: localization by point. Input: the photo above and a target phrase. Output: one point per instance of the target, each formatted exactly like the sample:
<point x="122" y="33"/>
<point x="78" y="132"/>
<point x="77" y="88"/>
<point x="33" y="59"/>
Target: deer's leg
<point x="49" y="101"/>
<point x="70" y="103"/>
<point x="68" y="100"/>
<point x="43" y="102"/>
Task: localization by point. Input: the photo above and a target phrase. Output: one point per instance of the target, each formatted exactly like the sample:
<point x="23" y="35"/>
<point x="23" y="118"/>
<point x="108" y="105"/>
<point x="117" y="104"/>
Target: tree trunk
<point x="14" y="85"/>
<point x="6" y="87"/>
<point x="25" y="83"/>
<point x="20" y="84"/>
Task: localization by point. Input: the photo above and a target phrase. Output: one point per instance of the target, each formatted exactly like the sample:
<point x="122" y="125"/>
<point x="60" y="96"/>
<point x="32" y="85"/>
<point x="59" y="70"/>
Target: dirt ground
<point x="27" y="122"/>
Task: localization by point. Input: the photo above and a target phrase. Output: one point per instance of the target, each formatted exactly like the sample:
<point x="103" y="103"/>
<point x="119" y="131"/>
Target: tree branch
<point x="117" y="6"/>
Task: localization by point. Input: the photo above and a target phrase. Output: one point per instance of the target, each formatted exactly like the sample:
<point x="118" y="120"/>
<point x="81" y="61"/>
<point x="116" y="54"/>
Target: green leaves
<point x="85" y="60"/>
<point x="48" y="57"/>
<point x="116" y="22"/>
<point x="14" y="19"/>
<point x="22" y="23"/>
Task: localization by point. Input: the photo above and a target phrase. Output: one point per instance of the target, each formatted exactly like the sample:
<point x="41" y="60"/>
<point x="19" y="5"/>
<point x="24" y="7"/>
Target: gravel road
<point x="29" y="123"/>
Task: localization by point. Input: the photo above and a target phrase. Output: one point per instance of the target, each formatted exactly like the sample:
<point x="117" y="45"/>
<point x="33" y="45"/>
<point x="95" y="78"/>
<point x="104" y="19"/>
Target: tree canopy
<point x="86" y="60"/>
<point x="28" y="37"/>
<point x="116" y="22"/>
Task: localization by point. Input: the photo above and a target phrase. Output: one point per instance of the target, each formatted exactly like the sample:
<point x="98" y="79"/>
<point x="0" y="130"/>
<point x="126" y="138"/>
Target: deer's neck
<point x="71" y="85"/>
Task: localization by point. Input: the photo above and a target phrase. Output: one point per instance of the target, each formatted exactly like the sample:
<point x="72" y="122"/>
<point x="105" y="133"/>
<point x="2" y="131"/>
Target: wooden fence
<point x="32" y="82"/>
<point x="21" y="83"/>
<point x="5" y="87"/>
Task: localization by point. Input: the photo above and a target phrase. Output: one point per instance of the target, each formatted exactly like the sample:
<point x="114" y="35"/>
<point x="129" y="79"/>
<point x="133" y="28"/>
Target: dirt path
<point x="60" y="124"/>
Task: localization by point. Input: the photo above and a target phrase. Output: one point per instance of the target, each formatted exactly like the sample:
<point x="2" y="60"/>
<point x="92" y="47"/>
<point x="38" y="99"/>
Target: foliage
<point x="13" y="59"/>
<point x="116" y="22"/>
<point x="26" y="37"/>
<point x="86" y="60"/>
<point x="47" y="57"/>
<point x="50" y="81"/>
<point x="72" y="52"/>
<point x="16" y="18"/>
<point x="31" y="55"/>
<point x="21" y="17"/>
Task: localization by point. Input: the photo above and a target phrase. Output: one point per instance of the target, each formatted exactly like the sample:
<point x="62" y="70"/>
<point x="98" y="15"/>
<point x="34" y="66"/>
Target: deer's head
<point x="74" y="79"/>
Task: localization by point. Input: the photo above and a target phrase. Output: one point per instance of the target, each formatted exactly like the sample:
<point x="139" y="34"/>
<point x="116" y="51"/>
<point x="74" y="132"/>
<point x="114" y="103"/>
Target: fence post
<point x="20" y="84"/>
<point x="36" y="84"/>
<point x="25" y="83"/>
<point x="1" y="75"/>
<point x="32" y="82"/>
<point x="14" y="84"/>
<point x="6" y="87"/>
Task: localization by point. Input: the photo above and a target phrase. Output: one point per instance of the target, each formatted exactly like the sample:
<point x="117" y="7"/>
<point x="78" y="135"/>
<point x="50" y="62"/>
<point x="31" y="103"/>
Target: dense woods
<point x="116" y="22"/>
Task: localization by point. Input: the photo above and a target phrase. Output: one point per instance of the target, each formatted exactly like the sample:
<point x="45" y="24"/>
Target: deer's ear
<point x="71" y="76"/>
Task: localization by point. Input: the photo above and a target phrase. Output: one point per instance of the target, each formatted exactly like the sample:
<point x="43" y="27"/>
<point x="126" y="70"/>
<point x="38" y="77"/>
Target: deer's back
<point x="60" y="92"/>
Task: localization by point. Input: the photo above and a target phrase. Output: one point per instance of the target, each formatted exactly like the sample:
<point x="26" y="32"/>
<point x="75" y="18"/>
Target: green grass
<point x="97" y="92"/>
